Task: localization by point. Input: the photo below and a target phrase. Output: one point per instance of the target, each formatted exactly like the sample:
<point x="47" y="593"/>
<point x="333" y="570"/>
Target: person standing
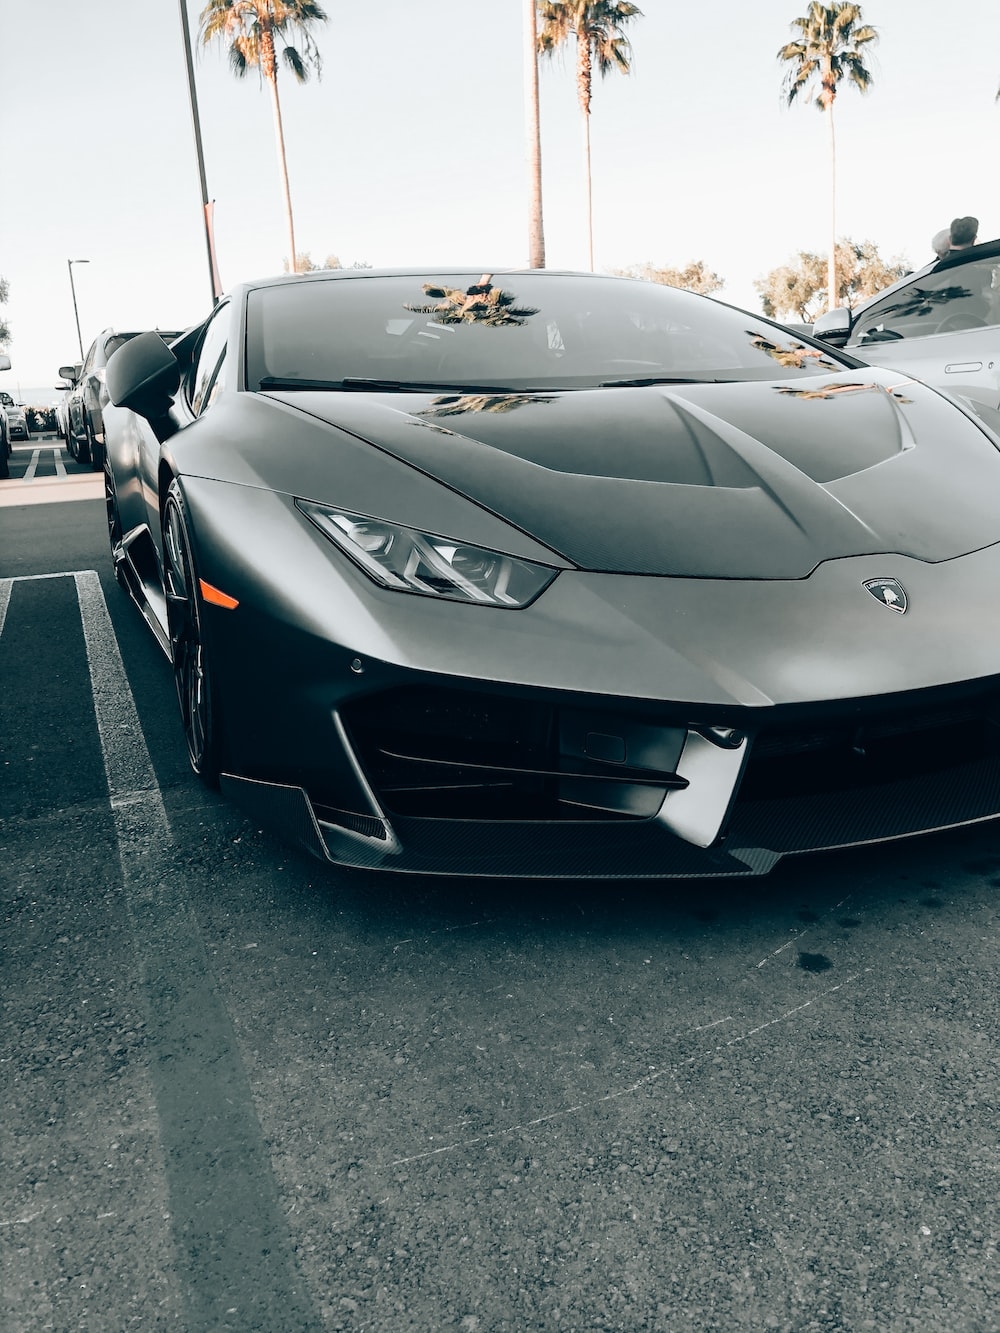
<point x="963" y="232"/>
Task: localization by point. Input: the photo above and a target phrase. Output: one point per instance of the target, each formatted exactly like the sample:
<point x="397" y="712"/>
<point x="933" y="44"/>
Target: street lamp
<point x="72" y="287"/>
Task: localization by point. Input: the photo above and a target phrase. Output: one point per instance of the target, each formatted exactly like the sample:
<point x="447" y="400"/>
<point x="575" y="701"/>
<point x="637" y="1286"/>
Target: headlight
<point x="419" y="562"/>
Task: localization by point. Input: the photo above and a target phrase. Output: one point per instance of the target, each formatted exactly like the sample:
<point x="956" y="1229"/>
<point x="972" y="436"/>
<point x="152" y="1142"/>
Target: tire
<point x="192" y="674"/>
<point x="4" y="464"/>
<point x="114" y="526"/>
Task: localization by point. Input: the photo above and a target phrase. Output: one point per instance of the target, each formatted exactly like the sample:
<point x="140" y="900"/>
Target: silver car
<point x="940" y="324"/>
<point x="16" y="419"/>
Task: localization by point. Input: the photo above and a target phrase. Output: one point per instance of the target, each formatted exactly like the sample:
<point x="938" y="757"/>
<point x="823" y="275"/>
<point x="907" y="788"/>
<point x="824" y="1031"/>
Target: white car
<point x="940" y="324"/>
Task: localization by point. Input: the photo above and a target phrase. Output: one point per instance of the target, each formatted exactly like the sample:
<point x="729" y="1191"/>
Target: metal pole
<point x="206" y="207"/>
<point x="72" y="287"/>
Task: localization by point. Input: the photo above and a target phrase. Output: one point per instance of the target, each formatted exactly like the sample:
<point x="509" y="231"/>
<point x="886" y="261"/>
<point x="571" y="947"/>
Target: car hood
<point x="740" y="480"/>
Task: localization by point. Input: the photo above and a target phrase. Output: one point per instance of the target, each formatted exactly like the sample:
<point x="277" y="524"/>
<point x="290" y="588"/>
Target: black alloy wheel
<point x="114" y="526"/>
<point x="192" y="677"/>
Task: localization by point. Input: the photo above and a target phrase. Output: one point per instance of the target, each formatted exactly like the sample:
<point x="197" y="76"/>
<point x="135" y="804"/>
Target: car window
<point x="966" y="296"/>
<point x="208" y="362"/>
<point x="522" y="330"/>
<point x="89" y="362"/>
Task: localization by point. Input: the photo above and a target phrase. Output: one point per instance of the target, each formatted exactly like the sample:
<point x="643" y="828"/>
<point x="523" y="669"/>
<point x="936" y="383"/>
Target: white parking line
<point x="29" y="474"/>
<point x="140" y="816"/>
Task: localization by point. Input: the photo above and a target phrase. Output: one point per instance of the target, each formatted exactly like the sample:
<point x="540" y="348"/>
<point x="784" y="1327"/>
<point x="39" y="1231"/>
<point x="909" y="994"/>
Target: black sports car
<point x="549" y="574"/>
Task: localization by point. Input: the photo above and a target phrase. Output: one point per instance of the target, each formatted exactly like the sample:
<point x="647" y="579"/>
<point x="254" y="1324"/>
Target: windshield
<point x="508" y="331"/>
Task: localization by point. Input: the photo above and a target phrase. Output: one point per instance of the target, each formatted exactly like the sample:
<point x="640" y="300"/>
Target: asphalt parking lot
<point x="244" y="1091"/>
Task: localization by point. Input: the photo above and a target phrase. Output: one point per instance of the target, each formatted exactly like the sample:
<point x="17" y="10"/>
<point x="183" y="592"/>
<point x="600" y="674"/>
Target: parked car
<point x="17" y="420"/>
<point x="553" y="574"/>
<point x="62" y="407"/>
<point x="86" y="399"/>
<point x="940" y="324"/>
<point x="5" y="445"/>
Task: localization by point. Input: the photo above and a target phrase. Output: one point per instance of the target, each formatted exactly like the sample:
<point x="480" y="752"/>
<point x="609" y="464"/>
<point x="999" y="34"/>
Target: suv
<point x="85" y="401"/>
<point x="940" y="324"/>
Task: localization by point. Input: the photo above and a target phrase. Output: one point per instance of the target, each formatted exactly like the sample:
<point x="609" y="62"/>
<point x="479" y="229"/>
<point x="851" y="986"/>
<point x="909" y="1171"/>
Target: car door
<point x="199" y="382"/>
<point x="943" y="327"/>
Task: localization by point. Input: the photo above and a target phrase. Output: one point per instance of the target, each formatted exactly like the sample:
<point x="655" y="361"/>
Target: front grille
<point x="450" y="754"/>
<point x="870" y="774"/>
<point x="865" y="750"/>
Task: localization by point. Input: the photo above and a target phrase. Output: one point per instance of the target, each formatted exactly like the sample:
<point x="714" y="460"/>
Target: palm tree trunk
<point x="536" y="237"/>
<point x="583" y="90"/>
<point x="831" y="269"/>
<point x="269" y="69"/>
<point x="590" y="207"/>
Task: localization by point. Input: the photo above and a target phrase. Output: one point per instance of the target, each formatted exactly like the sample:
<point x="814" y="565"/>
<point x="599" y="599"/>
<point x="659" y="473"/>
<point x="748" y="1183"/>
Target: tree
<point x="4" y="326"/>
<point x="693" y="277"/>
<point x="598" y="28"/>
<point x="304" y="263"/>
<point x="253" y="30"/>
<point x="828" y="50"/>
<point x="533" y="137"/>
<point x="800" y="288"/>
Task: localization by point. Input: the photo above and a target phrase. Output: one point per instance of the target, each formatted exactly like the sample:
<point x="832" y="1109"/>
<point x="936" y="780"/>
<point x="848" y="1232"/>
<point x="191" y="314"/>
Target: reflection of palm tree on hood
<point x="795" y="354"/>
<point x="454" y="405"/>
<point x="838" y="390"/>
<point x="482" y="303"/>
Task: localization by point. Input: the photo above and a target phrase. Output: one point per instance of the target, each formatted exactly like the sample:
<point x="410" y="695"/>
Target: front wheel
<point x="114" y="527"/>
<point x="192" y="676"/>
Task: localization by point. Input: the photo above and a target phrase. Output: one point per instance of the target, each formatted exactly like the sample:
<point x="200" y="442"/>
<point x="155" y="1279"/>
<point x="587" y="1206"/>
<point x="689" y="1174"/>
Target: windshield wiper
<point x="392" y="386"/>
<point x="659" y="379"/>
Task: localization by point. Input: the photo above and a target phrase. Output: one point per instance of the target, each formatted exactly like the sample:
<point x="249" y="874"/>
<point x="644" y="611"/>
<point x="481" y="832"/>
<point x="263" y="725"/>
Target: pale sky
<point x="410" y="151"/>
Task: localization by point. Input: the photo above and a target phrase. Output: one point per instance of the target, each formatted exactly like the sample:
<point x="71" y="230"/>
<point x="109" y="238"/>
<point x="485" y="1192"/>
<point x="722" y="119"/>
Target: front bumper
<point x="863" y="772"/>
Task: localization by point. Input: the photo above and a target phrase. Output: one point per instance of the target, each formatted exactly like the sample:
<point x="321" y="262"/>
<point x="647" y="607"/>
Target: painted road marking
<point x="232" y="1249"/>
<point x="29" y="472"/>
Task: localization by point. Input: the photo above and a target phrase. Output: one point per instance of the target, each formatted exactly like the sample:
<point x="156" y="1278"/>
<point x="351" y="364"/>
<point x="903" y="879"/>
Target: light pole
<point x="207" y="208"/>
<point x="72" y="287"/>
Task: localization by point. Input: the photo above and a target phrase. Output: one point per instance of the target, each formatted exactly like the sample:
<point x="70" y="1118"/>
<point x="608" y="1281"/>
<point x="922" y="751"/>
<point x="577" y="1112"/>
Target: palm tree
<point x="536" y="234"/>
<point x="253" y="30"/>
<point x="827" y="51"/>
<point x="598" y="27"/>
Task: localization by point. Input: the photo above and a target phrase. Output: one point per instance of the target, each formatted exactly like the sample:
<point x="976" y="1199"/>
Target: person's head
<point x="941" y="243"/>
<point x="963" y="232"/>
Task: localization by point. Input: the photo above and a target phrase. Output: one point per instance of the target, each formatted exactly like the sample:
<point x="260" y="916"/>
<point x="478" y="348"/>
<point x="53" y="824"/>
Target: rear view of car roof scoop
<point x="143" y="375"/>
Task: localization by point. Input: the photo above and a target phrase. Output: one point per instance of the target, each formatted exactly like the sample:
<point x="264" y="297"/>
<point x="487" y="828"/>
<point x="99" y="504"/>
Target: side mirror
<point x="834" y="327"/>
<point x="143" y="375"/>
<point x="4" y="361"/>
<point x="71" y="373"/>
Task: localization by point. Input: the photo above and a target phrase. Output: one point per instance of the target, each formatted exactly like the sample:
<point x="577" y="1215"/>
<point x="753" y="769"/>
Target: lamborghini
<point x="545" y="574"/>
